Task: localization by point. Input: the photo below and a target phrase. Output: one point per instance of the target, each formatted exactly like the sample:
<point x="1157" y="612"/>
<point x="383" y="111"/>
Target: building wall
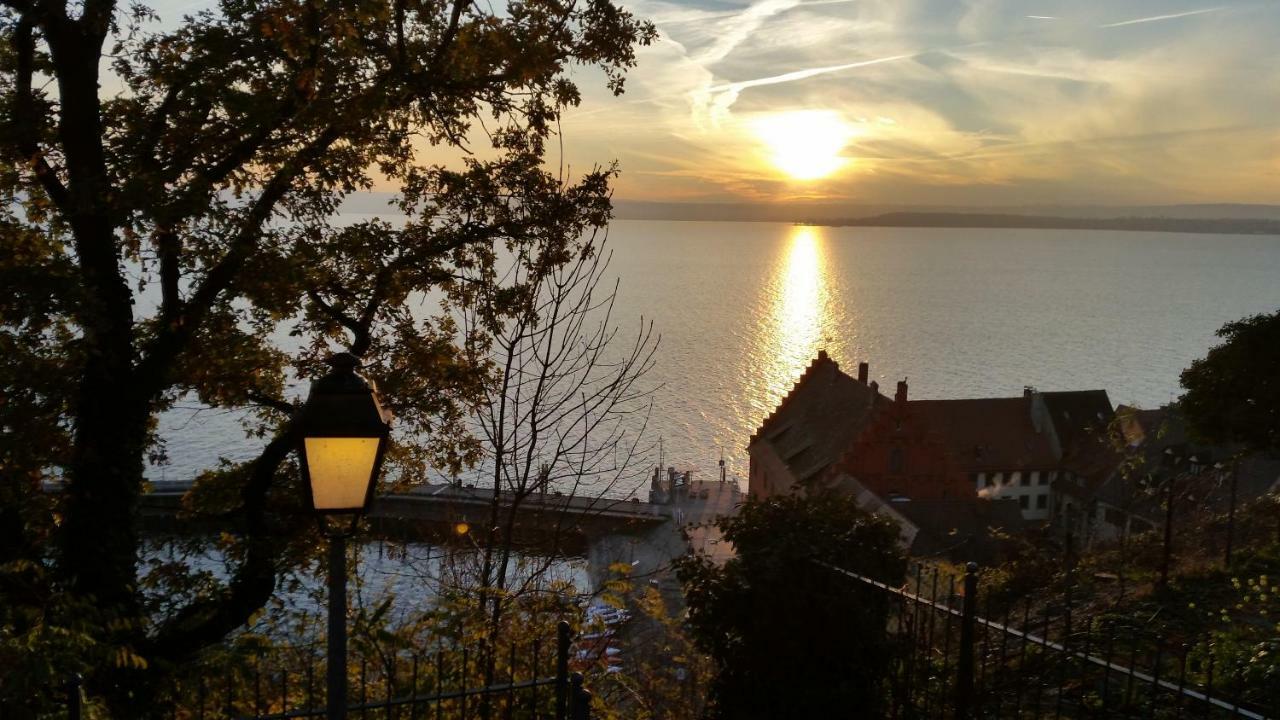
<point x="1035" y="497"/>
<point x="768" y="476"/>
<point x="899" y="455"/>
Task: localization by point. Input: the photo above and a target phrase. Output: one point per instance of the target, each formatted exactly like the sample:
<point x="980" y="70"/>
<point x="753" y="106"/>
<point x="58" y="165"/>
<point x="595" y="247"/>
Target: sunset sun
<point x="805" y="144"/>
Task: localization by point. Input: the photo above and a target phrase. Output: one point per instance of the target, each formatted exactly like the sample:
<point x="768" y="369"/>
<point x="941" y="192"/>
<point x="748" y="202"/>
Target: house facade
<point x="833" y="429"/>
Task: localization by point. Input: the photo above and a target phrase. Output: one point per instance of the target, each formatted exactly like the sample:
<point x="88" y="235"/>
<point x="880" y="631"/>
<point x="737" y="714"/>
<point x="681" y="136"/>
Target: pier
<point x="646" y="534"/>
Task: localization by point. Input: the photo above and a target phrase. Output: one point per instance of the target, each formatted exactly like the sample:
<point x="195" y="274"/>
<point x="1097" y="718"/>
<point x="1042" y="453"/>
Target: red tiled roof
<point x="818" y="419"/>
<point x="989" y="433"/>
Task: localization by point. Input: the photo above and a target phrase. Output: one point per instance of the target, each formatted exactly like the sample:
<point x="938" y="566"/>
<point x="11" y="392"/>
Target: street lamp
<point x="343" y="431"/>
<point x="1231" y="510"/>
<point x="1172" y="460"/>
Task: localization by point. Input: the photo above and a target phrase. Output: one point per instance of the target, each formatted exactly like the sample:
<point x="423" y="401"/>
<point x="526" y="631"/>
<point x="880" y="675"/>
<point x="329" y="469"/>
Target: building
<point x="836" y="431"/>
<point x="1019" y="448"/>
<point x="1126" y="498"/>
<point x="833" y="430"/>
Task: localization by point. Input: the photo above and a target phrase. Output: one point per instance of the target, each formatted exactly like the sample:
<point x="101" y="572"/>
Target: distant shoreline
<point x="1220" y="226"/>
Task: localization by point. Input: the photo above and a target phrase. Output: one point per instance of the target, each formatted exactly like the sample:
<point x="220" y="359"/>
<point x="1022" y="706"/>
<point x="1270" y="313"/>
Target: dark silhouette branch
<point x="209" y="619"/>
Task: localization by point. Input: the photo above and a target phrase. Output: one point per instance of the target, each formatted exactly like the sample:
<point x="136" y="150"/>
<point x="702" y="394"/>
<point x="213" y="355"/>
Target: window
<point x="1041" y="478"/>
<point x="1042" y="502"/>
<point x="985" y="478"/>
<point x="997" y="479"/>
<point x="1024" y="502"/>
<point x="895" y="461"/>
<point x="1024" y="479"/>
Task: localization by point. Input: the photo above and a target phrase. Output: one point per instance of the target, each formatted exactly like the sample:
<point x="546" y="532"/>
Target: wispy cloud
<point x="1158" y="18"/>
<point x="982" y="103"/>
<point x="740" y="27"/>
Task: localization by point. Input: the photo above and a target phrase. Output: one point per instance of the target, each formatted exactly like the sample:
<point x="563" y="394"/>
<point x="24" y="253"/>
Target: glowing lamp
<point x="344" y="433"/>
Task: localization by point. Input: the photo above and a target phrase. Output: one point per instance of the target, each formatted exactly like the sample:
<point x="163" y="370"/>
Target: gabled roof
<point x="989" y="433"/>
<point x="818" y="419"/>
<point x="1080" y="417"/>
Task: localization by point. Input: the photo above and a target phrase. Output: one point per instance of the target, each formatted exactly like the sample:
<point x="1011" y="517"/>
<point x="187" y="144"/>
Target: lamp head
<point x="344" y="432"/>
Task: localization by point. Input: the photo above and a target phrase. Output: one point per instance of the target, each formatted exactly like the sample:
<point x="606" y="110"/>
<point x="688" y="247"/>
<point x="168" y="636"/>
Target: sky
<point x="955" y="102"/>
<point x="968" y="103"/>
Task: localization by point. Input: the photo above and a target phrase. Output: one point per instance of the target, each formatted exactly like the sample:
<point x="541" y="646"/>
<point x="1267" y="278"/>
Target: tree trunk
<point x="97" y="539"/>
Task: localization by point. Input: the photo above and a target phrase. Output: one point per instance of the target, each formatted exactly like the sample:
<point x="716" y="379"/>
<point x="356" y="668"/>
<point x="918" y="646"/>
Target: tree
<point x="161" y="234"/>
<point x="564" y="414"/>
<point x="567" y="407"/>
<point x="787" y="636"/>
<point x="1233" y="393"/>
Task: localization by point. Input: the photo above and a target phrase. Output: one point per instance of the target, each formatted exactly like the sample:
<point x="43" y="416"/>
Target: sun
<point x="805" y="144"/>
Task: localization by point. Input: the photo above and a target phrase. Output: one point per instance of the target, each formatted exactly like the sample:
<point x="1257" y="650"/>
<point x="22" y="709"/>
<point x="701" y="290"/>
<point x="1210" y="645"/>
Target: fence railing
<point x="452" y="683"/>
<point x="1041" y="657"/>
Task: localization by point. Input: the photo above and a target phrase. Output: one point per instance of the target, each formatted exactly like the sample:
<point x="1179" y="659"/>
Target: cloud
<point x="732" y="31"/>
<point x="973" y="101"/>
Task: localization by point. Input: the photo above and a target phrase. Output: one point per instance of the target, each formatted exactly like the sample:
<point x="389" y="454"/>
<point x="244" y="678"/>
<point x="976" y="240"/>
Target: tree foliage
<point x="1233" y="392"/>
<point x="168" y="223"/>
<point x="788" y="637"/>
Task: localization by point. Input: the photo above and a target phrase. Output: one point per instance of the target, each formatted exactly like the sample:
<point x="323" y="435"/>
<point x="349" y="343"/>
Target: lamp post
<point x="343" y="431"/>
<point x="1172" y="460"/>
<point x="1231" y="510"/>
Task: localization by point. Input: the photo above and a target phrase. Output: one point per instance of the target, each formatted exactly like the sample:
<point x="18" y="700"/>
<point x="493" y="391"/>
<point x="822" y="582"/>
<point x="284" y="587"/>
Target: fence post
<point x="75" y="701"/>
<point x="964" y="663"/>
<point x="562" y="670"/>
<point x="581" y="706"/>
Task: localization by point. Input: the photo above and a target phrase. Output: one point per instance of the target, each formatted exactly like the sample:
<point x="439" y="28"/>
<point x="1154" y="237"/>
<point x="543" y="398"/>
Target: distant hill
<point x="825" y="213"/>
<point x="1226" y="218"/>
<point x="1233" y="226"/>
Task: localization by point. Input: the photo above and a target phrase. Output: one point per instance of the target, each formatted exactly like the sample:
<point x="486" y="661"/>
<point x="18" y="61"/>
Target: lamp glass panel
<point x="340" y="470"/>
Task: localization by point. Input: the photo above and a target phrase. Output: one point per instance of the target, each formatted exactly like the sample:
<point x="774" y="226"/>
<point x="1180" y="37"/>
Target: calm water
<point x="743" y="307"/>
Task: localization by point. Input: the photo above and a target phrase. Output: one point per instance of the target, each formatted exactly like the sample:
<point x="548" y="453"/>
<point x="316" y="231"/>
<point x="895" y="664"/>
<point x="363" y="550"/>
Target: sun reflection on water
<point x="799" y="308"/>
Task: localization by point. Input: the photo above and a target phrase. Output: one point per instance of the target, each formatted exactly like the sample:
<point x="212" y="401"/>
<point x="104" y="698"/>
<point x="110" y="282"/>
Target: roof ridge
<point x="821" y="359"/>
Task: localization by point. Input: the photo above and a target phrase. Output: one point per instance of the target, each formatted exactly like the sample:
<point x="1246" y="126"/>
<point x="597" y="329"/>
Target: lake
<point x="743" y="307"/>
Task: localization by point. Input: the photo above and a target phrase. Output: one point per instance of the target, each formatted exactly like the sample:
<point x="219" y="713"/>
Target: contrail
<point x="1156" y="18"/>
<point x="803" y="74"/>
<point x="742" y="85"/>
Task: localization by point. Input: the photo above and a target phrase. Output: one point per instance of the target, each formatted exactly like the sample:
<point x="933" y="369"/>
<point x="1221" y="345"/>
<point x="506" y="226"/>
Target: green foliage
<point x="1233" y="393"/>
<point x="167" y="221"/>
<point x="788" y="637"/>
<point x="663" y="674"/>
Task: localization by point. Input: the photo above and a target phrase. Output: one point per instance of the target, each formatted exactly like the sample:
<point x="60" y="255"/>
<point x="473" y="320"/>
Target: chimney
<point x="822" y="354"/>
<point x="902" y="391"/>
<point x="863" y="368"/>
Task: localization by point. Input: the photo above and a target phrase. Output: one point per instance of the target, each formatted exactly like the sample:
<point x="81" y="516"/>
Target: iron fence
<point x="1042" y="657"/>
<point x="449" y="682"/>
